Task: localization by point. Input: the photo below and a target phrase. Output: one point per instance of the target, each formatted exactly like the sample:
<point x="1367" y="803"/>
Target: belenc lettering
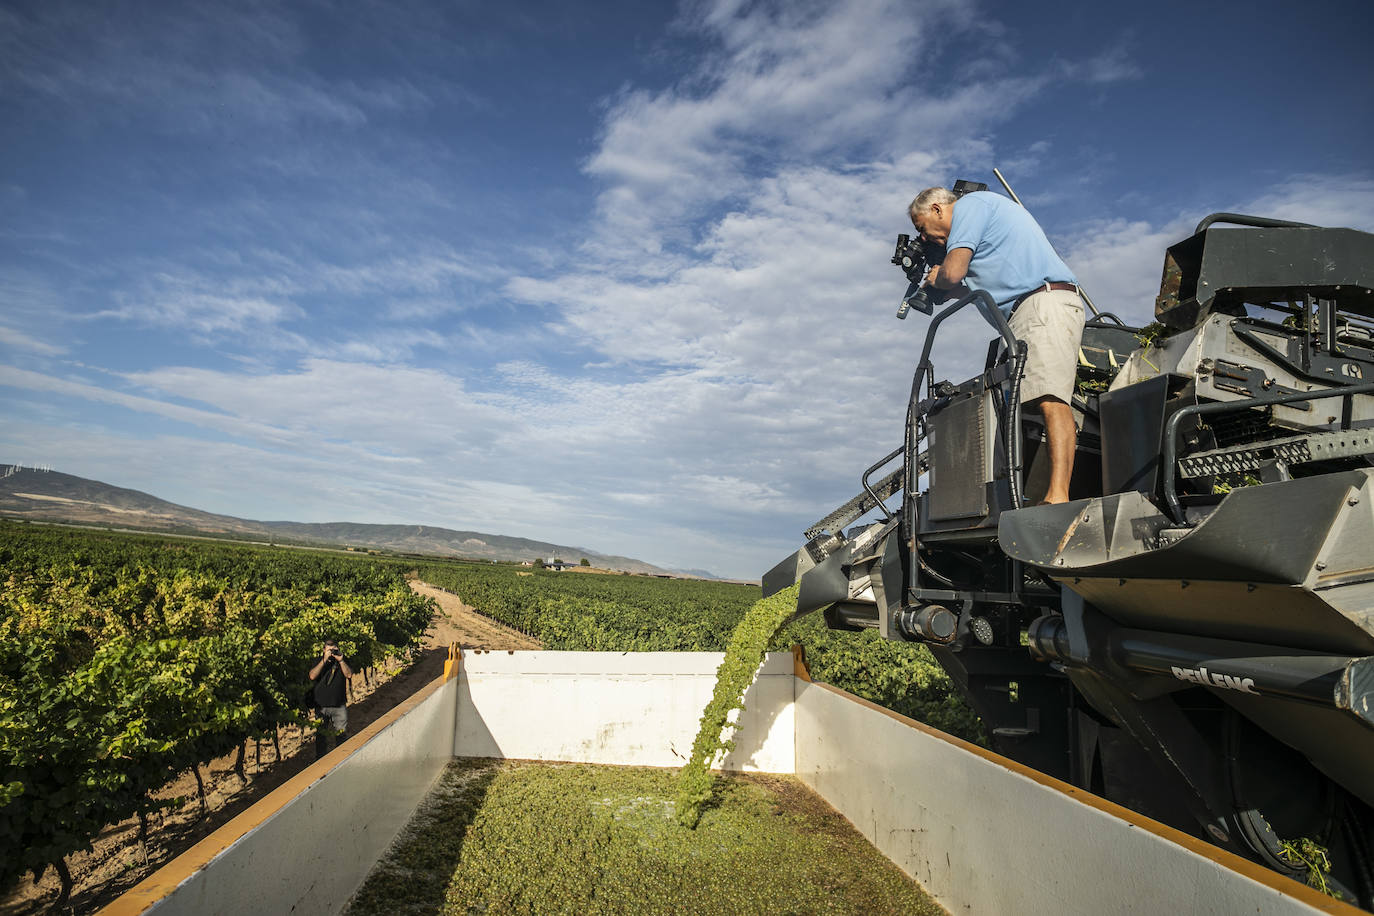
<point x="1205" y="678"/>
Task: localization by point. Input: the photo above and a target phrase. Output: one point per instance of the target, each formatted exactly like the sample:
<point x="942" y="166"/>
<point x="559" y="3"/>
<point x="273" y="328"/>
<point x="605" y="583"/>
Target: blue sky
<point x="611" y="275"/>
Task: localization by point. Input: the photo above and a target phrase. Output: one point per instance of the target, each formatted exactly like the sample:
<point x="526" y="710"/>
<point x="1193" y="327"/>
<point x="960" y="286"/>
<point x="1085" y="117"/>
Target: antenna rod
<point x="1081" y="291"/>
<point x="998" y="173"/>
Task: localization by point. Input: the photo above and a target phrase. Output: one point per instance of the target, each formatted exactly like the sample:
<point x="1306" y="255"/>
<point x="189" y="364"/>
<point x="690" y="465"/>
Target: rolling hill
<point x="51" y="496"/>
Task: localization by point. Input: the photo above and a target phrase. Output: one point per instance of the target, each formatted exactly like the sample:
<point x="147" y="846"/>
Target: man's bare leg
<point x="1063" y="440"/>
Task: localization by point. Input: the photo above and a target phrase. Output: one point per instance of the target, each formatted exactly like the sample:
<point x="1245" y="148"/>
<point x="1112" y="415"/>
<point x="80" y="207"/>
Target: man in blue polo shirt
<point x="994" y="244"/>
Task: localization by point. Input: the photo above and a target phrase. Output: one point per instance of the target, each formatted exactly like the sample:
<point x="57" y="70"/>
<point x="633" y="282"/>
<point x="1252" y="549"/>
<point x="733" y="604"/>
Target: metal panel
<point x="787" y="572"/>
<point x="1275" y="614"/>
<point x="631" y="708"/>
<point x="1132" y="421"/>
<point x="959" y="469"/>
<point x="1336" y="743"/>
<point x="826" y="584"/>
<point x="1227" y="267"/>
<point x="1122" y="534"/>
<point x="969" y="819"/>
<point x="1267" y="263"/>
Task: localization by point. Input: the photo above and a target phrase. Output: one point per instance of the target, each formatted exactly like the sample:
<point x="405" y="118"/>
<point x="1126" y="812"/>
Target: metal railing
<point x="918" y="408"/>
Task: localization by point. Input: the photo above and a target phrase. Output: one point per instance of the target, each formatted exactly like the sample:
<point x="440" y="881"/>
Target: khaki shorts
<point x="1051" y="324"/>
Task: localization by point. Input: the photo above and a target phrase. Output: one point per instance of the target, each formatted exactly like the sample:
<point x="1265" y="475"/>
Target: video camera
<point x="916" y="257"/>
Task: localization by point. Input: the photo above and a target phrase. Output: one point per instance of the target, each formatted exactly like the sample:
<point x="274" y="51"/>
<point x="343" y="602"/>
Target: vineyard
<point x="571" y="611"/>
<point x="127" y="660"/>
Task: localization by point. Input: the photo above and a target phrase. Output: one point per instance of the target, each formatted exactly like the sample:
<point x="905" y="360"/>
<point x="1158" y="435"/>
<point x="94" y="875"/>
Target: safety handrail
<point x="1101" y="318"/>
<point x="1016" y="353"/>
<point x="887" y="516"/>
<point x="1260" y="222"/>
<point x="987" y="307"/>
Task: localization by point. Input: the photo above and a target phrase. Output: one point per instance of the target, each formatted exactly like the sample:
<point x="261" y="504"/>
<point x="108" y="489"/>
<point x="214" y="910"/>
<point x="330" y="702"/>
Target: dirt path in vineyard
<point x="119" y="861"/>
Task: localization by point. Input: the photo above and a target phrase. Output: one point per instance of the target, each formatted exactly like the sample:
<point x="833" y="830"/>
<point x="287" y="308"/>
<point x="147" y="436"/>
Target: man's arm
<point x="953" y="271"/>
<point x="319" y="666"/>
<point x="343" y="666"/>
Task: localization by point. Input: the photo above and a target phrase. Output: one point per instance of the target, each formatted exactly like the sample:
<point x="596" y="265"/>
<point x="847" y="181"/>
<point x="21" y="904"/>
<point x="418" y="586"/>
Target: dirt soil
<point x="119" y="860"/>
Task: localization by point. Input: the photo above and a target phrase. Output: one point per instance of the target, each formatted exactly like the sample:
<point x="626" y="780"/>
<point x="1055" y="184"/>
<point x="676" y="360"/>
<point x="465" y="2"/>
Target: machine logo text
<point x="1207" y="678"/>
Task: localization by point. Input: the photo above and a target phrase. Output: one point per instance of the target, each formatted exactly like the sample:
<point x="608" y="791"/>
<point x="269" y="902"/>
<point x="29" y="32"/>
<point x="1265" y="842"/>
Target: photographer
<point x="330" y="675"/>
<point x="994" y="244"/>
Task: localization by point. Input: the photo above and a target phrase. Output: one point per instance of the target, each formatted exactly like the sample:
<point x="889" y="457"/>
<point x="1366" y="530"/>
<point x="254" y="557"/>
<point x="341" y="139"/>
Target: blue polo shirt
<point x="1011" y="255"/>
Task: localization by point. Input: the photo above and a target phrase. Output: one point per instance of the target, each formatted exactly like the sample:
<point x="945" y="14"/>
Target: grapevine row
<point x="126" y="660"/>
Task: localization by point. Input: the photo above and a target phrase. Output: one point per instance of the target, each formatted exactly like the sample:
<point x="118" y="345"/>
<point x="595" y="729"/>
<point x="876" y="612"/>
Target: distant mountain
<point x="695" y="573"/>
<point x="42" y="495"/>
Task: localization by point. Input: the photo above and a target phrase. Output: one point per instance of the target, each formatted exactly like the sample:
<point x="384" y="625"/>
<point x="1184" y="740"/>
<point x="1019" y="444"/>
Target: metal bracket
<point x="1292" y="450"/>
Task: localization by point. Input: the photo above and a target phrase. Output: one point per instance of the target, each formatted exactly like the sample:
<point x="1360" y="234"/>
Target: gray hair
<point x="927" y="197"/>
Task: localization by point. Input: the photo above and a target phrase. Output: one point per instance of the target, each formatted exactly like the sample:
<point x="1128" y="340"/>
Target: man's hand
<point x="328" y="653"/>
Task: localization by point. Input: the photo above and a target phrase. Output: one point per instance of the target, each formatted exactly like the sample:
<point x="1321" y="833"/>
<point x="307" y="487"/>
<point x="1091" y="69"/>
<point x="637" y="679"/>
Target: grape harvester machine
<point x="1192" y="636"/>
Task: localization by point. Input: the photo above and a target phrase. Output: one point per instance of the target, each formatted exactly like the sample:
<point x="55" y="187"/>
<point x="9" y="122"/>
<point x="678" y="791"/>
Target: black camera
<point x="915" y="258"/>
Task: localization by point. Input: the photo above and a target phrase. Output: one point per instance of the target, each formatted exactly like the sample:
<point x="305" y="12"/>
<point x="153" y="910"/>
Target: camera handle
<point x="917" y="296"/>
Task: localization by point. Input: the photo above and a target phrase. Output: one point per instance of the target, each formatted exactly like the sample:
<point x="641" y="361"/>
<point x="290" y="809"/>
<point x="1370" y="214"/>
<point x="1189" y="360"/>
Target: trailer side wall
<point x="637" y="708"/>
<point x="980" y="832"/>
<point x="984" y="834"/>
<point x="305" y="848"/>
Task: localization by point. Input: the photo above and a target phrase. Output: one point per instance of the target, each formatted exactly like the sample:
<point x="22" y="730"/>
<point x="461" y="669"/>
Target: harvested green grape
<point x="737" y="671"/>
<point x="498" y="837"/>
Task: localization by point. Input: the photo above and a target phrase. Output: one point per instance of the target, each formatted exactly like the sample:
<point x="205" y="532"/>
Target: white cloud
<point x="19" y="340"/>
<point x="1120" y="261"/>
<point x="425" y="273"/>
<point x="715" y="364"/>
<point x="265" y="299"/>
<point x="794" y="82"/>
<point x="1326" y="200"/>
<point x="203" y="313"/>
<point x="39" y="382"/>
